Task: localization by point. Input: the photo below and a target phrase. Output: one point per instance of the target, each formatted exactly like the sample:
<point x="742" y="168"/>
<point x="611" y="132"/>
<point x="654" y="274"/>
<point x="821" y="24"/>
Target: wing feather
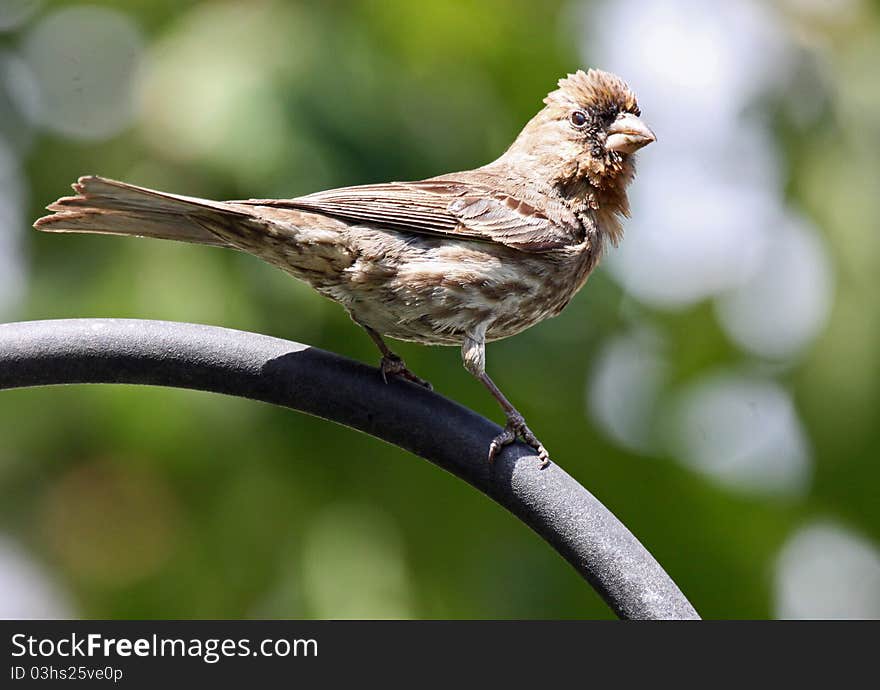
<point x="441" y="207"/>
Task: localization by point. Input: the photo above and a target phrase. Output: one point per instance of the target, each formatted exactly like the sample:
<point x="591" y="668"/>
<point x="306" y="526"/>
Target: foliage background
<point x="716" y="385"/>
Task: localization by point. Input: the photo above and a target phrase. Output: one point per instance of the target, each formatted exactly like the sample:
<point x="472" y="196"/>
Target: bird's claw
<point x="516" y="428"/>
<point x="392" y="365"/>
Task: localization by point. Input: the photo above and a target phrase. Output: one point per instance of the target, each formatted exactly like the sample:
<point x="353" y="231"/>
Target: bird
<point x="460" y="259"/>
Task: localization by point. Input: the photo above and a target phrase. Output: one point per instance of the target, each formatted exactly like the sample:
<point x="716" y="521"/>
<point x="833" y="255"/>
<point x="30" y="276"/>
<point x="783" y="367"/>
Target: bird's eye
<point x="578" y="118"/>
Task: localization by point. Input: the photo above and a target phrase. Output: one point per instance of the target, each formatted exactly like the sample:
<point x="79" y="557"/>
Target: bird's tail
<point x="309" y="246"/>
<point x="116" y="208"/>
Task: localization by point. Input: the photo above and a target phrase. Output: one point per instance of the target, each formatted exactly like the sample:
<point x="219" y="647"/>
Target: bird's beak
<point x="628" y="134"/>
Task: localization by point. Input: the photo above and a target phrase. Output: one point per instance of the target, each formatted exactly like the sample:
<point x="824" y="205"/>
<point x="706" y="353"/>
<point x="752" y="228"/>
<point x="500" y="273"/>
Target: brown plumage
<point x="459" y="259"/>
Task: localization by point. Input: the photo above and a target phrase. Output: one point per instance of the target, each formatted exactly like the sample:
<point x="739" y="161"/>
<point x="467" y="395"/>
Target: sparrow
<point x="461" y="259"/>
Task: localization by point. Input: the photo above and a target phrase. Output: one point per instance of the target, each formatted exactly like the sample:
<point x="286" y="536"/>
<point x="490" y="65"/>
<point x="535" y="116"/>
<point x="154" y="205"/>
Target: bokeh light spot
<point x="826" y="571"/>
<point x="84" y="60"/>
<point x="110" y="525"/>
<point x="624" y="388"/>
<point x="780" y="310"/>
<point x="27" y="589"/>
<point x="742" y="432"/>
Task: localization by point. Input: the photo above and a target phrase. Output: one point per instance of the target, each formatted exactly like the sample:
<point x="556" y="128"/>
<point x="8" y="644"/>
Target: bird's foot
<point x="516" y="428"/>
<point x="392" y="365"/>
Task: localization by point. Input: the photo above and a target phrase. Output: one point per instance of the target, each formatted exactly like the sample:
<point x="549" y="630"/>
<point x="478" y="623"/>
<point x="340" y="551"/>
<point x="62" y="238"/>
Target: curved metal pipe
<point x="303" y="378"/>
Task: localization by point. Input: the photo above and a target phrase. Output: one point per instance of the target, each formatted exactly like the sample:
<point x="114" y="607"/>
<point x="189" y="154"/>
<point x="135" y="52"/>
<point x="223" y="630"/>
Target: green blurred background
<point x="717" y="384"/>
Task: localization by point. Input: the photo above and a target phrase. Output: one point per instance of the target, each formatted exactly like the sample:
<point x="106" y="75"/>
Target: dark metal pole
<point x="248" y="365"/>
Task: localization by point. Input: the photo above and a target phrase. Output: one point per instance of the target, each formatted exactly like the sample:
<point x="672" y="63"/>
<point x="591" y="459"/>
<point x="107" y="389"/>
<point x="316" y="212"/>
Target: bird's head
<point x="588" y="132"/>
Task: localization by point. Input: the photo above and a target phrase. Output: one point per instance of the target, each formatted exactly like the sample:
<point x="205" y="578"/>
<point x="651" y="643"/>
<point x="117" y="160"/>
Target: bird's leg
<point x="473" y="353"/>
<point x="392" y="364"/>
<point x="516" y="426"/>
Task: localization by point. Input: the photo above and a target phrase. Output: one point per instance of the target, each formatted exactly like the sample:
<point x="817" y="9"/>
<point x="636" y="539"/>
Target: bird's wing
<point x="448" y="208"/>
